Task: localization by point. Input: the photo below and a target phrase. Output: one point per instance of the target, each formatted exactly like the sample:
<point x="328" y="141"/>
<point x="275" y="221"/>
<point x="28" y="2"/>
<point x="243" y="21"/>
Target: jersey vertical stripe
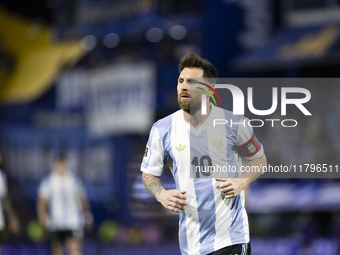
<point x="180" y="136"/>
<point x="236" y="230"/>
<point x="204" y="193"/>
<point x="3" y="194"/>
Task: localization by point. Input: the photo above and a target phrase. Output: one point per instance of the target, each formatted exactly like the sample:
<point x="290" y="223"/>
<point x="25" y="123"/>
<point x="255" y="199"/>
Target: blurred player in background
<point x="6" y="208"/>
<point x="63" y="207"/>
<point x="212" y="216"/>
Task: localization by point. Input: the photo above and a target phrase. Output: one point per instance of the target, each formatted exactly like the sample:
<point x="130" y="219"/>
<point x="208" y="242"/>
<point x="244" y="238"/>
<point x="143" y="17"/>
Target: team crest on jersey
<point x="251" y="148"/>
<point x="146" y="153"/>
<point x="217" y="142"/>
<point x="180" y="147"/>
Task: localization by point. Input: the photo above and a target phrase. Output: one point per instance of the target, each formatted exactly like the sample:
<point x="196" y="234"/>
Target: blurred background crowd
<point x="90" y="77"/>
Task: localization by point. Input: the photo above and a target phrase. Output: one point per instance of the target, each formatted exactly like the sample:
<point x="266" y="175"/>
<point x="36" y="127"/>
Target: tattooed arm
<point x="153" y="184"/>
<point x="173" y="200"/>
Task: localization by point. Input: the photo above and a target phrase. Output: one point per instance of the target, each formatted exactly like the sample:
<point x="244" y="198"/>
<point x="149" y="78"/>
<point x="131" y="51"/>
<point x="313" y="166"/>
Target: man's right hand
<point x="173" y="199"/>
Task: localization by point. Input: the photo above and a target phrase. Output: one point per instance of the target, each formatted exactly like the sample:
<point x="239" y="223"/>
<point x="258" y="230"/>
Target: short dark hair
<point x="60" y="157"/>
<point x="192" y="60"/>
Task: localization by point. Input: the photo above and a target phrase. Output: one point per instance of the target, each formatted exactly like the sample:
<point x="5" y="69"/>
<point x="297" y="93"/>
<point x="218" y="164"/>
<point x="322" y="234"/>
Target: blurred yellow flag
<point x="38" y="58"/>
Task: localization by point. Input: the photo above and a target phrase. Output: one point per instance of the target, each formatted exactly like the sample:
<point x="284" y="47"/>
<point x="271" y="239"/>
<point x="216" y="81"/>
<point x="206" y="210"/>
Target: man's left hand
<point x="230" y="187"/>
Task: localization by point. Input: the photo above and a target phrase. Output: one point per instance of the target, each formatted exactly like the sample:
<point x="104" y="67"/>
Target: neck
<point x="197" y="119"/>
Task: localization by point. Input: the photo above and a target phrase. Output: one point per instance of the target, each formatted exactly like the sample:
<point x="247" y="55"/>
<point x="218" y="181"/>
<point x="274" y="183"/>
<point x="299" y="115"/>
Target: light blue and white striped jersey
<point x="63" y="194"/>
<point x="209" y="222"/>
<point x="3" y="194"/>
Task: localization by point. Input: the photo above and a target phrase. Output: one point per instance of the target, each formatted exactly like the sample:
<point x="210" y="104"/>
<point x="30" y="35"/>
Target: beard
<point x="190" y="107"/>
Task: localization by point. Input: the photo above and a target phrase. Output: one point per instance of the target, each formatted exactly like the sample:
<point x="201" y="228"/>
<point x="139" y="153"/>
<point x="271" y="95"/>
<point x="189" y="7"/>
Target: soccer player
<point x="6" y="207"/>
<point x="63" y="194"/>
<point x="212" y="216"/>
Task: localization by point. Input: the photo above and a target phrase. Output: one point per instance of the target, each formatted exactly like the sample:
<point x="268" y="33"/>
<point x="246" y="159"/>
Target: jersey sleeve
<point x="43" y="190"/>
<point x="247" y="143"/>
<point x="153" y="159"/>
<point x="3" y="185"/>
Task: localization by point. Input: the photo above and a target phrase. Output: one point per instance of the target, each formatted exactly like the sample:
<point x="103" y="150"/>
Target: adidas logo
<point x="180" y="147"/>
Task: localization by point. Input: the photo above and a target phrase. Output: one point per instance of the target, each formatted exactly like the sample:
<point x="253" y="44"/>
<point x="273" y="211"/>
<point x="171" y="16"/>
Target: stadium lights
<point x="154" y="35"/>
<point x="178" y="32"/>
<point x="88" y="42"/>
<point x="111" y="40"/>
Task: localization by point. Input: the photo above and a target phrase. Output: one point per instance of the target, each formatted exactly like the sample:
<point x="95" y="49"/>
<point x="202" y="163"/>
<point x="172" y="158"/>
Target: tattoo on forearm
<point x="153" y="184"/>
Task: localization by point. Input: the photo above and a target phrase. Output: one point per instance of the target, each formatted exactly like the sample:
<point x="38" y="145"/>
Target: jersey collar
<point x="205" y="123"/>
